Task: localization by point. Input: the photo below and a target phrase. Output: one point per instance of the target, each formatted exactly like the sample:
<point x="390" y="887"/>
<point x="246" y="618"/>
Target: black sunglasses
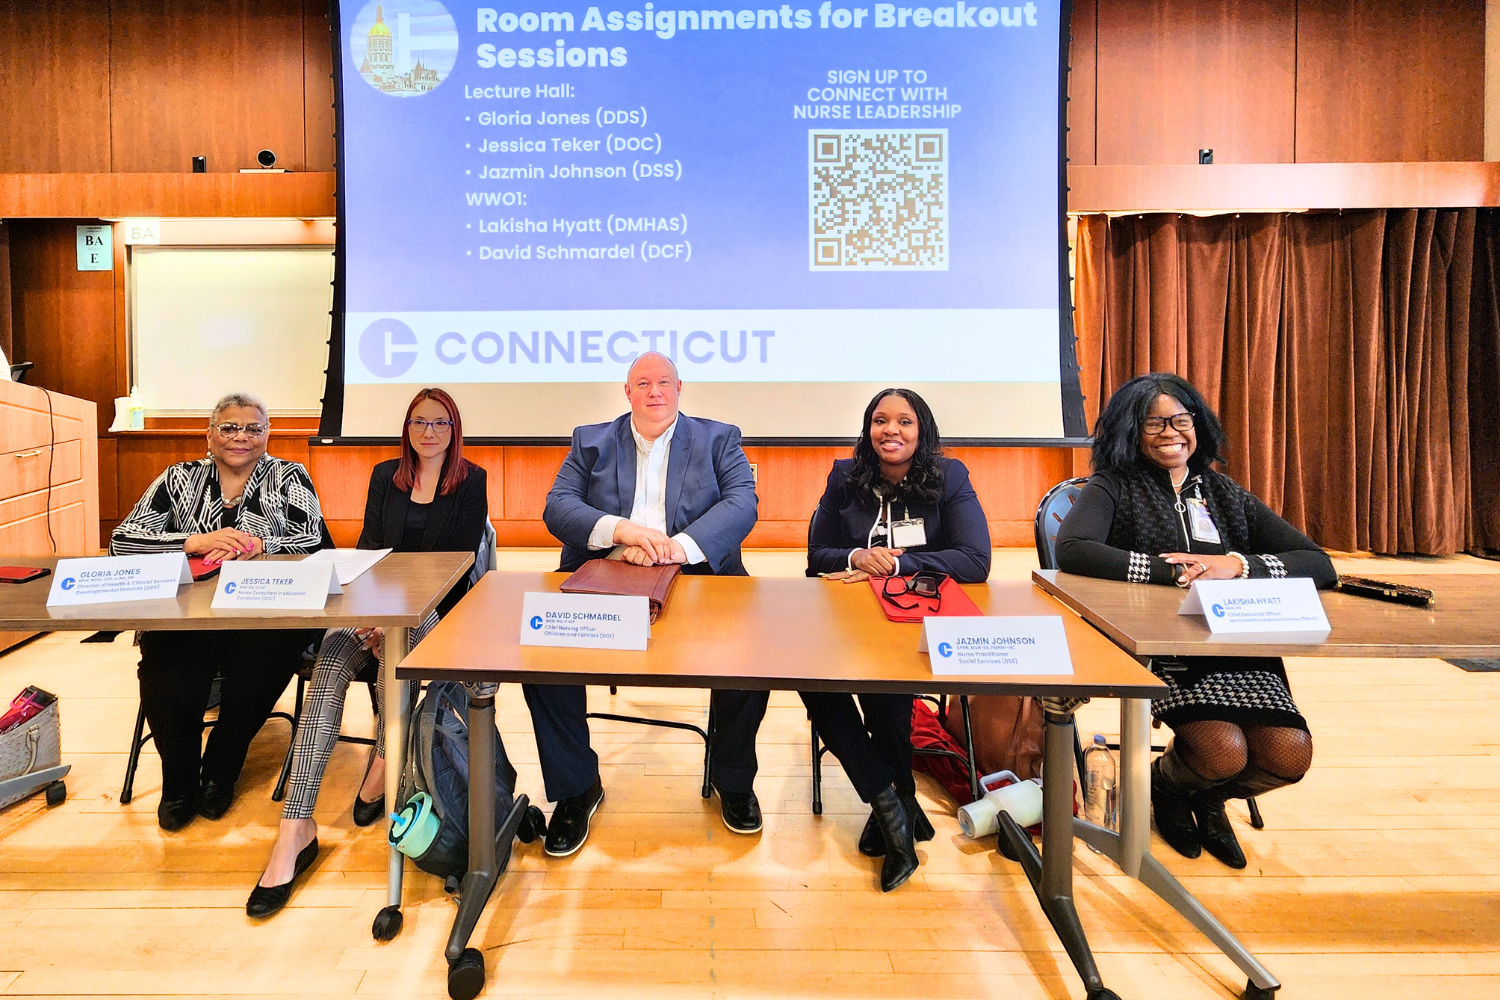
<point x="927" y="585"/>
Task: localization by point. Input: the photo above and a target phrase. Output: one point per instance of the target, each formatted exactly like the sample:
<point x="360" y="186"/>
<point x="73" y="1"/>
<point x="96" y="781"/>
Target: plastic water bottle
<point x="1100" y="785"/>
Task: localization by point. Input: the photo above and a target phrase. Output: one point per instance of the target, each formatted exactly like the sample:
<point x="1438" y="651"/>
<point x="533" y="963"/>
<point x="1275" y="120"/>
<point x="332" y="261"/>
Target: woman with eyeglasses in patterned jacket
<point x="897" y="508"/>
<point x="431" y="499"/>
<point x="236" y="503"/>
<point x="1156" y="511"/>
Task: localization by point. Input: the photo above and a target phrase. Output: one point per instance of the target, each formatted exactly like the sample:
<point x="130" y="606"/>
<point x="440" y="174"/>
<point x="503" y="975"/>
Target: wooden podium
<point x="49" y="477"/>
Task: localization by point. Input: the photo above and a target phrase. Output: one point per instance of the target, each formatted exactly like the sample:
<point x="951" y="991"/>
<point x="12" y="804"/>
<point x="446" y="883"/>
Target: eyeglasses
<point x="438" y="426"/>
<point x="232" y="431"/>
<point x="925" y="584"/>
<point x="1180" y="422"/>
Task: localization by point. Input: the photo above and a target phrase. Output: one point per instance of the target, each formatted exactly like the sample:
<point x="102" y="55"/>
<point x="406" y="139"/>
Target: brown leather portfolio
<point x="613" y="576"/>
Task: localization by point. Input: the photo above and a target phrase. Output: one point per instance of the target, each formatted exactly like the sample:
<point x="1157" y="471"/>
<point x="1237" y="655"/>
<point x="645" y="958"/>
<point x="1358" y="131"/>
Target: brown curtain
<point x="1341" y="351"/>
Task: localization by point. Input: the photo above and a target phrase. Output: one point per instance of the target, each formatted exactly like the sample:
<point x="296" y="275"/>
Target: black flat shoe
<point x="175" y="813"/>
<point x="872" y="841"/>
<point x="267" y="899"/>
<point x="741" y="812"/>
<point x="1174" y="816"/>
<point x="367" y="813"/>
<point x="1216" y="833"/>
<point x="900" y="848"/>
<point x="569" y="826"/>
<point x="215" y="798"/>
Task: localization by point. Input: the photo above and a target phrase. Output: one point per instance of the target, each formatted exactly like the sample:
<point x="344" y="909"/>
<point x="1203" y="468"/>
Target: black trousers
<point x="569" y="764"/>
<point x="875" y="750"/>
<point x="176" y="673"/>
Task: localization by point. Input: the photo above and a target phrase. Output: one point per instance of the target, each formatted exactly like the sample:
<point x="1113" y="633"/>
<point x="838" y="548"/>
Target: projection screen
<point x="797" y="204"/>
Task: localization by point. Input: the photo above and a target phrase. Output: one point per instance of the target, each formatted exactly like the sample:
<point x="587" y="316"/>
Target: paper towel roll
<point x="1022" y="800"/>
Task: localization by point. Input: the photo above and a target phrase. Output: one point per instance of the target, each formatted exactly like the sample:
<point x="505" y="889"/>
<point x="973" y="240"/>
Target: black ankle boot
<point x="872" y="841"/>
<point x="921" y="826"/>
<point x="1214" y="830"/>
<point x="1214" y="827"/>
<point x="900" y="846"/>
<point x="1173" y="786"/>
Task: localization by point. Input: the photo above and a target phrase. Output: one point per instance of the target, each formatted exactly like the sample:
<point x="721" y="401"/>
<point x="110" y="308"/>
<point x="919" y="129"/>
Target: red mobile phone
<point x="20" y="574"/>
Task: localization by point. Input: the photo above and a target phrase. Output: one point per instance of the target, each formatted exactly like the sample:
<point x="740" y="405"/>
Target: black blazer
<point x="455" y="523"/>
<point x="958" y="536"/>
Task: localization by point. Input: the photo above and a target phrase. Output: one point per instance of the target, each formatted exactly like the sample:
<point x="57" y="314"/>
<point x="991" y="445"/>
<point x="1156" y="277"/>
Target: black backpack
<point x="430" y="823"/>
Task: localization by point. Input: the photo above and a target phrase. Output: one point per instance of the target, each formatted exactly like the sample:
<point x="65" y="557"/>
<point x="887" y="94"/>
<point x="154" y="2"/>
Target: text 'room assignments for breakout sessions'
<point x="790" y="172"/>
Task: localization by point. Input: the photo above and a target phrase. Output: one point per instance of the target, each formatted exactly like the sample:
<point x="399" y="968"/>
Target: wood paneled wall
<point x="145" y="85"/>
<point x="6" y="347"/>
<point x="1009" y="481"/>
<point x="1276" y="81"/>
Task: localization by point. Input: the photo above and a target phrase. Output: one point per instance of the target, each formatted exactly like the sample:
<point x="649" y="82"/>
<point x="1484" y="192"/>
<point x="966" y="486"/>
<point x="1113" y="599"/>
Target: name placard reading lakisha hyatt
<point x="1238" y="606"/>
<point x="585" y="621"/>
<point x="110" y="579"/>
<point x="253" y="585"/>
<point x="989" y="646"/>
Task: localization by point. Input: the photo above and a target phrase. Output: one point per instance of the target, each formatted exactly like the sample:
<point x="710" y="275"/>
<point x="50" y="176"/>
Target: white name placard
<point x="1237" y="606"/>
<point x="1023" y="644"/>
<point x="276" y="586"/>
<point x="585" y="621"/>
<point x="109" y="579"/>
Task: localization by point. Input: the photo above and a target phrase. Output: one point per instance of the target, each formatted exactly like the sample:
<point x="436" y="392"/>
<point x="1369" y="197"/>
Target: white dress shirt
<point x="649" y="508"/>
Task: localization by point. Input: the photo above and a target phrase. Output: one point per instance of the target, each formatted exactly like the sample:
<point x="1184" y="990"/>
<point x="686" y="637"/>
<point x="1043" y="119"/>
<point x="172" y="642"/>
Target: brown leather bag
<point x="614" y="576"/>
<point x="1007" y="733"/>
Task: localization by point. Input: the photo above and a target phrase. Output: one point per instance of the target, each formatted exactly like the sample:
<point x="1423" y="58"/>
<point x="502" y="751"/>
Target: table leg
<point x="1131" y="847"/>
<point x="1135" y="784"/>
<point x="393" y="716"/>
<point x="489" y="850"/>
<point x="1051" y="874"/>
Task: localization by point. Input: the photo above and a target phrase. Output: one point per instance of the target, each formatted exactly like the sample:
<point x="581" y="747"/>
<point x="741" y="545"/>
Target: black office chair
<point x="484" y="561"/>
<point x="939" y="702"/>
<point x="1054" y="506"/>
<point x="141" y="737"/>
<point x="18" y="371"/>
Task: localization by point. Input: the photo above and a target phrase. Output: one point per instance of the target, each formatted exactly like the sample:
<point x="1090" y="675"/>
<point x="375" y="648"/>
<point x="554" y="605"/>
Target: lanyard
<point x="882" y="523"/>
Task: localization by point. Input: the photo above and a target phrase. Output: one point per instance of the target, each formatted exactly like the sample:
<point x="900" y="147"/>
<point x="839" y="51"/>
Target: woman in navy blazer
<point x="897" y="474"/>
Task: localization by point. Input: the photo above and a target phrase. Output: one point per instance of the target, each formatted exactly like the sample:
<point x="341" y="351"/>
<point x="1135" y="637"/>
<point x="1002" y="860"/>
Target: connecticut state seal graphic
<point x="404" y="48"/>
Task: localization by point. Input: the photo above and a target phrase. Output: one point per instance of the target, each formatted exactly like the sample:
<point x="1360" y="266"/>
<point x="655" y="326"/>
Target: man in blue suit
<point x="650" y="487"/>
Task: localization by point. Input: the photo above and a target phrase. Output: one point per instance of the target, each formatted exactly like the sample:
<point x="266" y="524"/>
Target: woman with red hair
<point x="431" y="499"/>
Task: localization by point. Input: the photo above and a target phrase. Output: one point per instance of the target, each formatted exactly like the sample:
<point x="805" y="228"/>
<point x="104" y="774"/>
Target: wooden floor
<point x="1377" y="877"/>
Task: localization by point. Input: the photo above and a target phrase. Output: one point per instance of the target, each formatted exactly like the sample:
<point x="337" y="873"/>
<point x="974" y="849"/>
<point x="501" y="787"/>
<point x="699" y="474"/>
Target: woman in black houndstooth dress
<point x="1156" y="511"/>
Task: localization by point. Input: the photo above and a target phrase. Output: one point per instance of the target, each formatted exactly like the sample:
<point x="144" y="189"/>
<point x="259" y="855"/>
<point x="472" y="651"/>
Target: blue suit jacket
<point x="710" y="490"/>
<point x="958" y="536"/>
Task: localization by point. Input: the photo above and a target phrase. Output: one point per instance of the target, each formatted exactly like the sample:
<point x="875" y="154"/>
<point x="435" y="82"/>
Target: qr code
<point x="878" y="200"/>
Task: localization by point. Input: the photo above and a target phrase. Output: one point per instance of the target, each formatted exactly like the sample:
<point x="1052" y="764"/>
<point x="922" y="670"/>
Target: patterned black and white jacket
<point x="1124" y="519"/>
<point x="280" y="507"/>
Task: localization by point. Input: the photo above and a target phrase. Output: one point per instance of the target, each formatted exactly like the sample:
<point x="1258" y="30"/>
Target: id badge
<point x="908" y="534"/>
<point x="1202" y="525"/>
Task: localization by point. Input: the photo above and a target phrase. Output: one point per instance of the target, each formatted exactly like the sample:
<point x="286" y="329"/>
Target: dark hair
<point x="455" y="468"/>
<point x="1117" y="432"/>
<point x="924" y="480"/>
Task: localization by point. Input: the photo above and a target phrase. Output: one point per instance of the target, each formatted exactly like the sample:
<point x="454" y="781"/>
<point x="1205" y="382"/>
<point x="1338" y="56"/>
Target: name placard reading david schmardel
<point x="1022" y="644"/>
<point x="585" y="621"/>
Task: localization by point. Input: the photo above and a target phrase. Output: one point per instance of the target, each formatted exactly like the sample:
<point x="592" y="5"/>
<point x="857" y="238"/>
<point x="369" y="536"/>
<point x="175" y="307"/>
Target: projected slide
<point x="795" y="203"/>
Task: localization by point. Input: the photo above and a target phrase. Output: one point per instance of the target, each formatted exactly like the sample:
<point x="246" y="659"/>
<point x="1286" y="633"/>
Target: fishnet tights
<point x="1220" y="750"/>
